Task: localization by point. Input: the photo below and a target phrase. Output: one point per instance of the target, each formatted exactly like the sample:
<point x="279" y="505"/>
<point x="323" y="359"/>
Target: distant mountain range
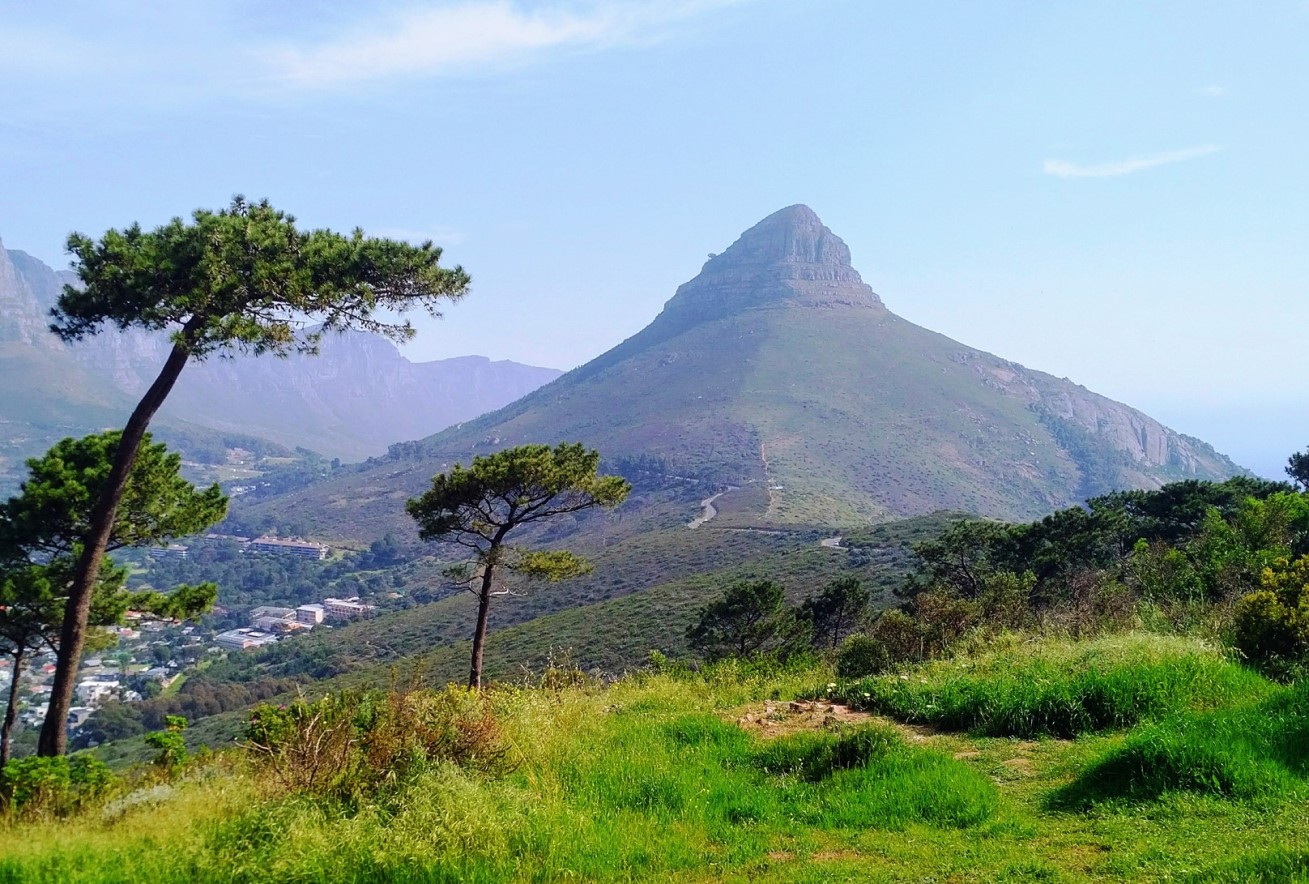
<point x="777" y="376"/>
<point x="351" y="401"/>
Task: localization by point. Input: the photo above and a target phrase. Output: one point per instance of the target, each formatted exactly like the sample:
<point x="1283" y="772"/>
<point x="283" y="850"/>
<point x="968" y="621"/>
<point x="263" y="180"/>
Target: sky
<point x="1115" y="192"/>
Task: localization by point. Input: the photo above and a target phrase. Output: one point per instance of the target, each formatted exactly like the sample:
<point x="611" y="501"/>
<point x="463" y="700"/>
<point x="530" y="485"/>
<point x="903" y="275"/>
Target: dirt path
<point x="831" y="542"/>
<point x="768" y="482"/>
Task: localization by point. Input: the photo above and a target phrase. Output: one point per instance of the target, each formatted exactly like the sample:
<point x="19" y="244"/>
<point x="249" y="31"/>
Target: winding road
<point x="709" y="511"/>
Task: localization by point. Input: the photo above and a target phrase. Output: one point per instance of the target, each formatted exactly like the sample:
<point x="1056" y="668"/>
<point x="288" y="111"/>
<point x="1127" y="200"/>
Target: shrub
<point x="943" y="618"/>
<point x="354" y="743"/>
<point x="1097" y="603"/>
<point x="1272" y="623"/>
<point x="170" y="743"/>
<point x="1006" y="599"/>
<point x="893" y="638"/>
<point x="39" y="786"/>
<point x="861" y="655"/>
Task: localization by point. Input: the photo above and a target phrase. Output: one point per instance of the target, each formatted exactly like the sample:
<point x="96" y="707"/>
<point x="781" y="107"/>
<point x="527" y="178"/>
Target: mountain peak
<point x="793" y="236"/>
<point x="789" y="258"/>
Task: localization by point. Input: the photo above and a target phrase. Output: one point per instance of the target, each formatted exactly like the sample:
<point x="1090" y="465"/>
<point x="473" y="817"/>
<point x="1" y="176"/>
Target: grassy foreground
<point x="719" y="777"/>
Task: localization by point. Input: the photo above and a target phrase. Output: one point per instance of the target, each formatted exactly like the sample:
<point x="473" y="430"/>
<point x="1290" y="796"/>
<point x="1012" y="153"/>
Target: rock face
<point x="351" y="401"/>
<point x="790" y="257"/>
<point x="22" y="312"/>
<point x="779" y="372"/>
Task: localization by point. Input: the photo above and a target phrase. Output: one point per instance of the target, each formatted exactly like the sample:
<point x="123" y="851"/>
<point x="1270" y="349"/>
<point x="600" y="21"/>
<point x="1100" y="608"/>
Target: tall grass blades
<point x="1059" y="688"/>
<point x="1259" y="751"/>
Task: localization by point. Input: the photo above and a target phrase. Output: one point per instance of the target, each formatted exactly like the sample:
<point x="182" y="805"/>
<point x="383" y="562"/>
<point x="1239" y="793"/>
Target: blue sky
<point x="1110" y="191"/>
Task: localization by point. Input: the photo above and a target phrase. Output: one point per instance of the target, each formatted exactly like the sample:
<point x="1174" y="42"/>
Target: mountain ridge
<point x="360" y="395"/>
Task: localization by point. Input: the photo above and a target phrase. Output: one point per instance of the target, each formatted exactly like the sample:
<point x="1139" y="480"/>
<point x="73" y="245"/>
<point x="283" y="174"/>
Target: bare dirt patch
<point x="778" y="718"/>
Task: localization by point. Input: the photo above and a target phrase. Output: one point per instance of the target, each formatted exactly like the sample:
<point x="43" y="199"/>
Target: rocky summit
<point x="779" y="378"/>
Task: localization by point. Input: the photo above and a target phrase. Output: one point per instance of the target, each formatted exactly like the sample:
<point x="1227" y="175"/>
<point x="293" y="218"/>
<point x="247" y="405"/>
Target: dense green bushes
<point x="1272" y="623"/>
<point x="53" y="786"/>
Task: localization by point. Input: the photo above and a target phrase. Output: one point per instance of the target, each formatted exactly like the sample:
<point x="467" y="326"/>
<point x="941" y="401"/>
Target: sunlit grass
<point x="651" y="778"/>
<point x="1257" y="751"/>
<point x="1058" y="687"/>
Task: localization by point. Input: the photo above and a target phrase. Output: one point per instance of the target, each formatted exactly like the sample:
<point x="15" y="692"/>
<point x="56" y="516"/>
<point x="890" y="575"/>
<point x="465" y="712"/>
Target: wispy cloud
<point x="242" y="49"/>
<point x="428" y="41"/>
<point x="1213" y="91"/>
<point x="1066" y="169"/>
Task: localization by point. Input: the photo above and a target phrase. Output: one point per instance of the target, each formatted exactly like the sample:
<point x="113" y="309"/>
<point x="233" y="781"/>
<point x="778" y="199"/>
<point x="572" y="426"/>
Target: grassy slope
<point x="905" y="426"/>
<point x="651" y="779"/>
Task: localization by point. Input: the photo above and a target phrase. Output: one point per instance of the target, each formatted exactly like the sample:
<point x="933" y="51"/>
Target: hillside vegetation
<point x="1112" y="692"/>
<point x="717" y="775"/>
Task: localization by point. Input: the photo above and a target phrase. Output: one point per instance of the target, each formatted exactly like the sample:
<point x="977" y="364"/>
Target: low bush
<point x="53" y="786"/>
<point x="1272" y="623"/>
<point x="1255" y="751"/>
<point x="171" y="744"/>
<point x="1058" y="688"/>
<point x="892" y="639"/>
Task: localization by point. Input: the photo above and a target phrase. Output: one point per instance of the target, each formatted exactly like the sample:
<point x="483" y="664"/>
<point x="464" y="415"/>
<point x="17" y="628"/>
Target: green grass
<point x="657" y="778"/>
<point x="1255" y="751"/>
<point x="645" y="779"/>
<point x="1278" y="866"/>
<point x="1059" y="688"/>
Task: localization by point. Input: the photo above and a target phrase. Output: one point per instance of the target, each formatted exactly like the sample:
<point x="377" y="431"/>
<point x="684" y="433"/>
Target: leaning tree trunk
<point x="489" y="561"/>
<point x="11" y="711"/>
<point x="72" y="635"/>
<point x="479" y="634"/>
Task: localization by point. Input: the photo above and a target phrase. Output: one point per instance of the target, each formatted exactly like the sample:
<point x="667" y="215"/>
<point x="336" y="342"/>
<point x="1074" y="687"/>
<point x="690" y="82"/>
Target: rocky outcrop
<point x="22" y="310"/>
<point x="789" y="258"/>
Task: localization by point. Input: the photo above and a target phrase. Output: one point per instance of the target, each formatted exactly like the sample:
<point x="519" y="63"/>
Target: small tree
<point x="836" y="611"/>
<point x="750" y="618"/>
<point x="40" y="535"/>
<point x="478" y="507"/>
<point x="1297" y="467"/>
<point x="239" y="279"/>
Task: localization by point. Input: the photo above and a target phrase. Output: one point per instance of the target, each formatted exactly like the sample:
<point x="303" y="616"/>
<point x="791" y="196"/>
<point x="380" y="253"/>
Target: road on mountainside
<point x="710" y="511"/>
